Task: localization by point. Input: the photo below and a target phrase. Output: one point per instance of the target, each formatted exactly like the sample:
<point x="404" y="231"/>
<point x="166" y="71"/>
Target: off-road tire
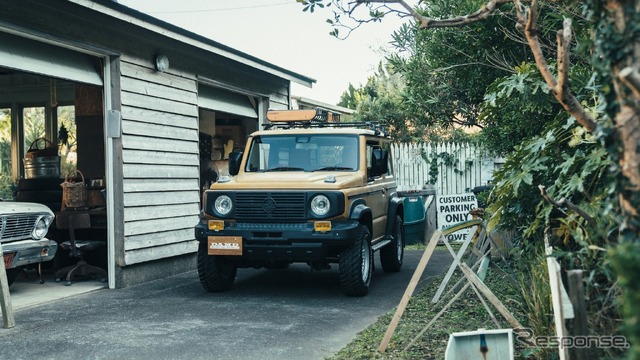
<point x="216" y="273"/>
<point x="12" y="274"/>
<point x="356" y="265"/>
<point x="391" y="256"/>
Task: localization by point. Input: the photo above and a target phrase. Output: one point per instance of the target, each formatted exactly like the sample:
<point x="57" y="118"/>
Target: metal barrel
<point x="42" y="167"/>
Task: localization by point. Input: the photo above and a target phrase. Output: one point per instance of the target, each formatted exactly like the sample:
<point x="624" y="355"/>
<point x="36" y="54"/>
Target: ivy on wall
<point x="437" y="159"/>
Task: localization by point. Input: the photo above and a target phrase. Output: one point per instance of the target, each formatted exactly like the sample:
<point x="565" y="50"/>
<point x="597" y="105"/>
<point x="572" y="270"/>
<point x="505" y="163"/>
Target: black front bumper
<point x="295" y="242"/>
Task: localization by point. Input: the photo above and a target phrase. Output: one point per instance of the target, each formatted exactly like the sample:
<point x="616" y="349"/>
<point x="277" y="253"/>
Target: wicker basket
<point x="74" y="194"/>
<point x="48" y="149"/>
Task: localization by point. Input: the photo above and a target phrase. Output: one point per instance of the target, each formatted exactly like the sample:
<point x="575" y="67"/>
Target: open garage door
<point x="227" y="102"/>
<point x="32" y="56"/>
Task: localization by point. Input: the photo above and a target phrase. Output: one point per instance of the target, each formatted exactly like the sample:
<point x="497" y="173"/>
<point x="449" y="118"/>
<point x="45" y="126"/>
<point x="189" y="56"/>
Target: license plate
<point x="225" y="245"/>
<point x="8" y="260"/>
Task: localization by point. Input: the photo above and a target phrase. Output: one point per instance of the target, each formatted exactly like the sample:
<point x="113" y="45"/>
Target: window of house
<point x="6" y="182"/>
<point x="33" y="120"/>
<point x="67" y="139"/>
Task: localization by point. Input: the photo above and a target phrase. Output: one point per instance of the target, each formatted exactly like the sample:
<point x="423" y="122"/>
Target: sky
<point x="279" y="32"/>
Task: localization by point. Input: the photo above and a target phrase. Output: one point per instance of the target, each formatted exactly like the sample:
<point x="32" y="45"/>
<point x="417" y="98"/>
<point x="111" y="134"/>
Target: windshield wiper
<point x="285" y="168"/>
<point x="328" y="168"/>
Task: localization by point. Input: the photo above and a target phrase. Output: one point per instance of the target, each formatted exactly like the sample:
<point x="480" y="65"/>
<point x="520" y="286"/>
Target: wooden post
<point x="576" y="293"/>
<point x="5" y="299"/>
<point x="555" y="283"/>
<point x="475" y="280"/>
<point x="409" y="291"/>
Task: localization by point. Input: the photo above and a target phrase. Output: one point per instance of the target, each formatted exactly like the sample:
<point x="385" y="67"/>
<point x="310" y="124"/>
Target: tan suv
<point x="304" y="190"/>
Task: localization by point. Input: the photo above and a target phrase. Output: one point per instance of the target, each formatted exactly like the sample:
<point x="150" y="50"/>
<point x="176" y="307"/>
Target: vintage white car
<point x="23" y="227"/>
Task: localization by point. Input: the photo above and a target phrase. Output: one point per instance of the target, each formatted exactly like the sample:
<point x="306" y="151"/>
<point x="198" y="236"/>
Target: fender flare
<point x="395" y="204"/>
<point x="360" y="210"/>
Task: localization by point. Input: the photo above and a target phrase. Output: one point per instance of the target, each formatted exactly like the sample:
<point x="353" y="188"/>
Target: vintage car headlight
<point x="41" y="227"/>
<point x="223" y="205"/>
<point x="320" y="205"/>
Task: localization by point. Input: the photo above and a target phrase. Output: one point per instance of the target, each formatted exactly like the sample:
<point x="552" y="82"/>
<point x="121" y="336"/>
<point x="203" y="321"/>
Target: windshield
<point x="303" y="153"/>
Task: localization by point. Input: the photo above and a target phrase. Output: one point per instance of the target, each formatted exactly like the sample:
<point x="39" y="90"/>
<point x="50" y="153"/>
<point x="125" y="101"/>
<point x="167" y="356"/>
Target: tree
<point x="615" y="46"/>
<point x="380" y="99"/>
<point x="383" y="98"/>
<point x="448" y="71"/>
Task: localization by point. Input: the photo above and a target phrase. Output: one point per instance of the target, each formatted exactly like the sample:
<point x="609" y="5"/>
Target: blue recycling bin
<point x="414" y="217"/>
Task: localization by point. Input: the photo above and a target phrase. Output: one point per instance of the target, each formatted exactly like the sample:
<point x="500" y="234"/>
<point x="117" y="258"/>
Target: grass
<point x="466" y="314"/>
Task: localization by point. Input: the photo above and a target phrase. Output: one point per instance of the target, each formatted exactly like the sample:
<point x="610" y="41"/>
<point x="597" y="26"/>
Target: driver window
<point x="369" y="160"/>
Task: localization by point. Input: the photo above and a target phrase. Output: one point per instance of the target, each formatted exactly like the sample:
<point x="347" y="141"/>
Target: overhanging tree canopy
<point x="616" y="49"/>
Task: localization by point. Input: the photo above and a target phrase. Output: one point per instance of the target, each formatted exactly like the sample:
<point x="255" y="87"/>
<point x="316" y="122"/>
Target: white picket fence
<point x="461" y="166"/>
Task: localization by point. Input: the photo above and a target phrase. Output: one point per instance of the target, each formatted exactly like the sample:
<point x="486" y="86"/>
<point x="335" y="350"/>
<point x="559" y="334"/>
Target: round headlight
<point x="223" y="205"/>
<point x="320" y="205"/>
<point x="41" y="227"/>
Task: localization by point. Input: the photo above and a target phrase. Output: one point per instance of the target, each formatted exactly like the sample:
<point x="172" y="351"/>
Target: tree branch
<point x="410" y="11"/>
<point x="427" y="22"/>
<point x="467" y="123"/>
<point x="481" y="14"/>
<point x="566" y="203"/>
<point x="563" y="40"/>
<point x="527" y="19"/>
<point x="631" y="78"/>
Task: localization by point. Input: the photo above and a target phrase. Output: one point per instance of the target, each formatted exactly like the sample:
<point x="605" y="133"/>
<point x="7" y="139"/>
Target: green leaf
<point x="537" y="145"/>
<point x="575" y="184"/>
<point x="519" y="178"/>
<point x="567" y="164"/>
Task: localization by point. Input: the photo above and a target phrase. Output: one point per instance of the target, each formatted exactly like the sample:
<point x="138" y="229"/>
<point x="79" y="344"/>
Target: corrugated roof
<point x="137" y="18"/>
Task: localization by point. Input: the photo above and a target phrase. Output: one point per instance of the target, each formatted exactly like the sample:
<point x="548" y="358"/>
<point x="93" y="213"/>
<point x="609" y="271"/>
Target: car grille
<point x="270" y="206"/>
<point x="18" y="226"/>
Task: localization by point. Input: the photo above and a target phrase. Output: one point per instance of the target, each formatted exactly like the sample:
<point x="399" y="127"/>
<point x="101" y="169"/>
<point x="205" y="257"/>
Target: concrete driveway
<point x="268" y="314"/>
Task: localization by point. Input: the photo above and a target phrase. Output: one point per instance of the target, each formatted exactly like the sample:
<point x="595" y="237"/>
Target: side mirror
<point x="235" y="158"/>
<point x="379" y="162"/>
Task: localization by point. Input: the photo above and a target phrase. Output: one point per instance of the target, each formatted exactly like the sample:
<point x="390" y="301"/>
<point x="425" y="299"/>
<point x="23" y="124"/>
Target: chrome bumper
<point x="27" y="252"/>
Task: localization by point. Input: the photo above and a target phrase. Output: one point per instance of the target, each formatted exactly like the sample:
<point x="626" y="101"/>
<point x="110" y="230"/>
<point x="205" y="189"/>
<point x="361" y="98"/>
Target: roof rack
<point x="318" y="115"/>
<point x="292" y="119"/>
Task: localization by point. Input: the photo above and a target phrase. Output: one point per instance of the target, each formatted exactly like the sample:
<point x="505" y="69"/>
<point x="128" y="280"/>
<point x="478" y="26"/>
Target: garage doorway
<point x="53" y="97"/>
<point x="225" y="120"/>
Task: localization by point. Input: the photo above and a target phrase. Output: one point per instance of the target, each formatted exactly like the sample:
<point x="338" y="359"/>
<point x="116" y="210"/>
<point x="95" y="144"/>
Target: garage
<point x="144" y="110"/>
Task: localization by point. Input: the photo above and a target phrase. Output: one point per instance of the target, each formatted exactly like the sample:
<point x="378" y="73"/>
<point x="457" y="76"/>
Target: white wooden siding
<point x="160" y="252"/>
<point x="278" y="101"/>
<point x="153" y="240"/>
<point x="160" y="162"/>
<point x="471" y="166"/>
<point x="160" y="198"/>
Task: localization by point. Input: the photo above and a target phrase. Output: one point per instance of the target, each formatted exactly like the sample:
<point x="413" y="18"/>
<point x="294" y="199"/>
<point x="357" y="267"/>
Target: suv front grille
<point x="16" y="227"/>
<point x="270" y="206"/>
